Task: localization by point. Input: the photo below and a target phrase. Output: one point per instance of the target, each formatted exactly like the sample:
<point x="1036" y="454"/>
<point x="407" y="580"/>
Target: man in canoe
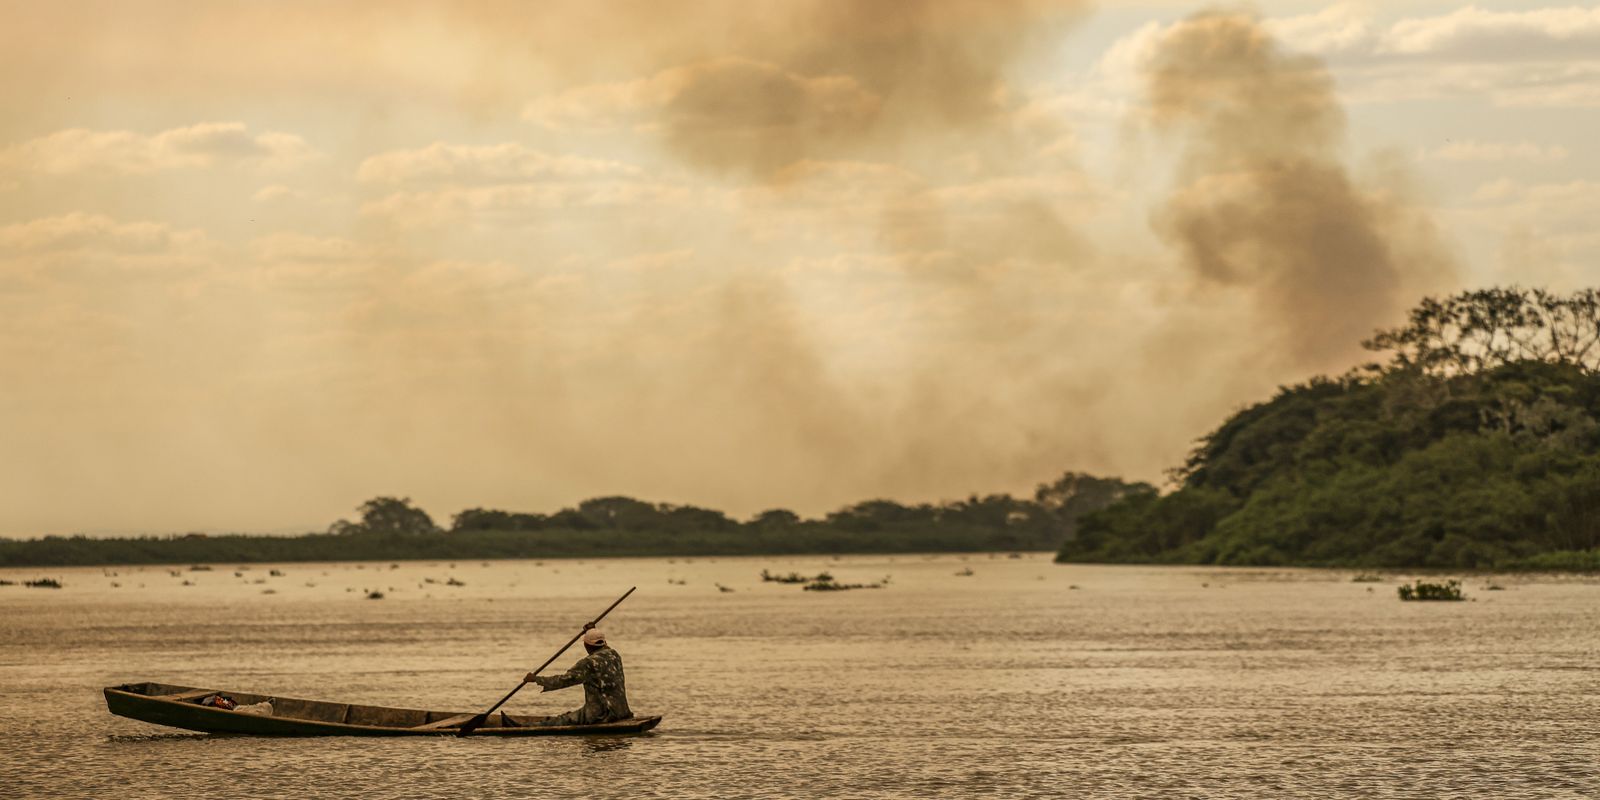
<point x="604" y="697"/>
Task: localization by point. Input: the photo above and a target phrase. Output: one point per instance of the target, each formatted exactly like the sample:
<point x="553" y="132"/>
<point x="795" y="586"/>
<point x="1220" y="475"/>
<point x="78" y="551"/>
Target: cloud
<point x="500" y="163"/>
<point x="1477" y="34"/>
<point x="1548" y="57"/>
<point x="606" y="105"/>
<point x="1333" y="30"/>
<point x="1471" y="150"/>
<point x="78" y="232"/>
<point x="509" y="185"/>
<point x="299" y="247"/>
<point x="1544" y="231"/>
<point x="46" y="260"/>
<point x="1566" y="208"/>
<point x="79" y="150"/>
<point x="515" y="204"/>
<point x="652" y="262"/>
<point x="274" y="193"/>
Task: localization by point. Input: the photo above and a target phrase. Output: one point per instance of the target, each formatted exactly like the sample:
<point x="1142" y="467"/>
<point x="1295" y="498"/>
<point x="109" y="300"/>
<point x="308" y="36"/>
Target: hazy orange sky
<point x="262" y="261"/>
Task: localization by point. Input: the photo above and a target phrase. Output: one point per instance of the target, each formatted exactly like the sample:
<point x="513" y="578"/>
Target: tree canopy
<point x="388" y="516"/>
<point x="1474" y="445"/>
<point x="1479" y="330"/>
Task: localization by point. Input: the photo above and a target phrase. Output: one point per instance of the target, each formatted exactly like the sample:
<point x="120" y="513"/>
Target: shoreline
<point x="486" y="546"/>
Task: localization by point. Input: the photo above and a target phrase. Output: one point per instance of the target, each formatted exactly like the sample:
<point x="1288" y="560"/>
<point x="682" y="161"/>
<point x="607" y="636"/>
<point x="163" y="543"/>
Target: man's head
<point x="593" y="640"/>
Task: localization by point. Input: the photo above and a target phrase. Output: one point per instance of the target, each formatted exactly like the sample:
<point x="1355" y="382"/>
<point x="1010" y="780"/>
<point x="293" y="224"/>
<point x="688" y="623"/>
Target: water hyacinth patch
<point x="793" y="577"/>
<point x="1423" y="590"/>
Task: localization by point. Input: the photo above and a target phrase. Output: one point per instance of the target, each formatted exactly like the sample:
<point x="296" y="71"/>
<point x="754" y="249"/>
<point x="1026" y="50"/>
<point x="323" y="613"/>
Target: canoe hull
<point x="176" y="707"/>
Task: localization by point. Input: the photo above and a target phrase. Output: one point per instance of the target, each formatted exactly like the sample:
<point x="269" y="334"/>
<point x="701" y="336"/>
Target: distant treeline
<point x="392" y="528"/>
<point x="1475" y="445"/>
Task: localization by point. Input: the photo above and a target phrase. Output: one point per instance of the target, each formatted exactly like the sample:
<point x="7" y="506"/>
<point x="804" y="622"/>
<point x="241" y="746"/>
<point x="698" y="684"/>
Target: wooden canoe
<point x="179" y="707"/>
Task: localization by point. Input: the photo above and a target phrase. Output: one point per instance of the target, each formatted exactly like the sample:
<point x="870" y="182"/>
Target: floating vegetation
<point x="200" y="568"/>
<point x="1367" y="577"/>
<point x="1423" y="590"/>
<point x="43" y="583"/>
<point x="677" y="582"/>
<point x="965" y="573"/>
<point x="429" y="580"/>
<point x="277" y="573"/>
<point x="454" y="582"/>
<point x="374" y="595"/>
<point x="269" y="591"/>
<point x="1494" y="587"/>
<point x="830" y="585"/>
<point x="238" y="574"/>
<point x="8" y="583"/>
<point x="188" y="583"/>
<point x="724" y="589"/>
<point x="794" y="577"/>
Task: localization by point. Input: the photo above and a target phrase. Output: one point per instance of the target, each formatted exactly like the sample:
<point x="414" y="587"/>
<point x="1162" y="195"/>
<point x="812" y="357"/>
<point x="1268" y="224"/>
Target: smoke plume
<point x="843" y="80"/>
<point x="1264" y="200"/>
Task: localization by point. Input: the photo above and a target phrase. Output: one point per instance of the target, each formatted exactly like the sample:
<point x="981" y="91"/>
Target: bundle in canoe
<point x="179" y="707"/>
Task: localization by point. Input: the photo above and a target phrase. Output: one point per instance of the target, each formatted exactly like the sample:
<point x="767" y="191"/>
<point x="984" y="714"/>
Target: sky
<point x="260" y="262"/>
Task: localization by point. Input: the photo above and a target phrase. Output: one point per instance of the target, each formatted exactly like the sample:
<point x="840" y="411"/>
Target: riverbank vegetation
<point x="391" y="528"/>
<point x="1475" y="444"/>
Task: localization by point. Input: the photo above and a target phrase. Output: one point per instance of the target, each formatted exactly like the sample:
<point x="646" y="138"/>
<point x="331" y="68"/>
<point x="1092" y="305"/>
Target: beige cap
<point x="594" y="638"/>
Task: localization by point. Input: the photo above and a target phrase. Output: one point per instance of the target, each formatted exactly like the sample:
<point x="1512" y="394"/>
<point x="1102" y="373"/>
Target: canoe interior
<point x="169" y="704"/>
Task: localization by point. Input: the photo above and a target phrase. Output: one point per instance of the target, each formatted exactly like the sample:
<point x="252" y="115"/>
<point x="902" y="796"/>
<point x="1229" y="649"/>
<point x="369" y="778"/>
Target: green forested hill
<point x="1476" y="445"/>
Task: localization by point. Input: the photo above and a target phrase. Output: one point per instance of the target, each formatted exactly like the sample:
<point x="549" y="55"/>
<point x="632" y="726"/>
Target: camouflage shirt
<point x="604" y="696"/>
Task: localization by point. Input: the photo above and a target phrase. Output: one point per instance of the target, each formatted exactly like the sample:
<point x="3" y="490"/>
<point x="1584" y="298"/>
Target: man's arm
<point x="571" y="677"/>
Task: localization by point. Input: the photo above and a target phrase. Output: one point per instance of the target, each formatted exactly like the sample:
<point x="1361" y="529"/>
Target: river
<point x="1022" y="679"/>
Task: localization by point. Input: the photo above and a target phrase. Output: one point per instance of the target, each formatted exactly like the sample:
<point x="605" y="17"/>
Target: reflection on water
<point x="126" y="738"/>
<point x="597" y="744"/>
<point x="1025" y="679"/>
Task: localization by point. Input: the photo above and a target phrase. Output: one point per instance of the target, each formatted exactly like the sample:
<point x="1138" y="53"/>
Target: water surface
<point x="1023" y="679"/>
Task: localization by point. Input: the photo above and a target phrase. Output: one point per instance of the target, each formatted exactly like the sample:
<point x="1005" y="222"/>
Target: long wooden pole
<point x="477" y="722"/>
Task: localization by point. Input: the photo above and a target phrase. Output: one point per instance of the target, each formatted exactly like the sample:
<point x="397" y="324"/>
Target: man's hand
<point x="588" y="626"/>
<point x="530" y="678"/>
